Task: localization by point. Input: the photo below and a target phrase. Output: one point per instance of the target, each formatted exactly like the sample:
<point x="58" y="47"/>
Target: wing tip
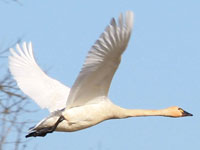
<point x="126" y="19"/>
<point x="129" y="18"/>
<point x="23" y="49"/>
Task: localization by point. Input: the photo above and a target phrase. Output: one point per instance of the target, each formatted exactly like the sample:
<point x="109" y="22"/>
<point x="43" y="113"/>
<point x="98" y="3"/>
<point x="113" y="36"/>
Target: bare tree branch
<point x="12" y="107"/>
<point x="15" y="1"/>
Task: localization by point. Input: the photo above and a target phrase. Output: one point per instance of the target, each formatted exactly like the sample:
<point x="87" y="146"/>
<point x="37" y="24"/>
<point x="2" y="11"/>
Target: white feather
<point x="45" y="91"/>
<point x="101" y="63"/>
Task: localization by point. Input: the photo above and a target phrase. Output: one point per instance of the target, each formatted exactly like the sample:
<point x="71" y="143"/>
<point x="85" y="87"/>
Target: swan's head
<point x="175" y="111"/>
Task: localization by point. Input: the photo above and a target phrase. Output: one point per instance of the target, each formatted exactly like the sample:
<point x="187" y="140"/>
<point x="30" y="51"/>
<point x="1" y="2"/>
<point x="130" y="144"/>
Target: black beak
<point x="185" y="113"/>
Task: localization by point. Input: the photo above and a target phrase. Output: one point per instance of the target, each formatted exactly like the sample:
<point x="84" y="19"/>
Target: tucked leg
<point x="42" y="132"/>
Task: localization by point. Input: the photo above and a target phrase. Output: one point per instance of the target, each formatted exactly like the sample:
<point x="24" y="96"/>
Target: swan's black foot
<point x="43" y="131"/>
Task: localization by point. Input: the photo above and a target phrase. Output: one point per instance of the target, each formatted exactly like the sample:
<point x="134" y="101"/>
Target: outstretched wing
<point x="45" y="91"/>
<point x="101" y="63"/>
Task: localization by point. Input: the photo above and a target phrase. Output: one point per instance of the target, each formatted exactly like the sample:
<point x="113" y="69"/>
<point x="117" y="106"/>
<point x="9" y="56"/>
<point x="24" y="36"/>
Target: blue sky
<point x="160" y="68"/>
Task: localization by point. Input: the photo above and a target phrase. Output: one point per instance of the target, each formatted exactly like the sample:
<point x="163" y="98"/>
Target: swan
<point x="86" y="103"/>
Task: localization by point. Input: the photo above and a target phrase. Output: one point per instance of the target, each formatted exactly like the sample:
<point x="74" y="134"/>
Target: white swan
<point x="86" y="104"/>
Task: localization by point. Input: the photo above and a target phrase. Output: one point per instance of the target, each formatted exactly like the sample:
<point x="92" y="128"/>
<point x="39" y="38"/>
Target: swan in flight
<point x="86" y="103"/>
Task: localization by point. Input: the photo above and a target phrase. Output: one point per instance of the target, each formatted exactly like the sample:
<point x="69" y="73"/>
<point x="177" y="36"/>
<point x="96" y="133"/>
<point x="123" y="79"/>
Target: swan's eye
<point x="181" y="110"/>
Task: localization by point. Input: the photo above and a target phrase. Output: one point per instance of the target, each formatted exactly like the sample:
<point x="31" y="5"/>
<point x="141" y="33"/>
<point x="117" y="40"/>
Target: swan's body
<point x="86" y="103"/>
<point x="89" y="115"/>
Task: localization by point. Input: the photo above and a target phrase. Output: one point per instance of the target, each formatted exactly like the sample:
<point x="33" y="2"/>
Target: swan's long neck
<point x="125" y="113"/>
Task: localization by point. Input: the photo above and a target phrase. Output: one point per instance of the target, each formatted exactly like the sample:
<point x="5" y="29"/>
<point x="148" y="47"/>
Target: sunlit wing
<point x="101" y="63"/>
<point x="45" y="91"/>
